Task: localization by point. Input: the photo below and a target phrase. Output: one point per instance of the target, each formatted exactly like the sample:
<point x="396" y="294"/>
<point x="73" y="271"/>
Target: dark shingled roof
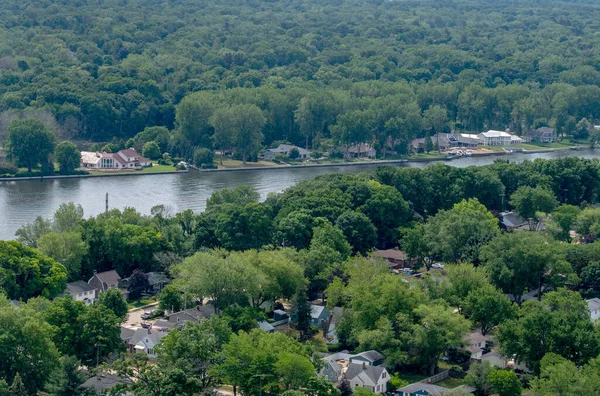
<point x="371" y="356"/>
<point x="79" y="287"/>
<point x="373" y="372"/>
<point x="109" y="277"/>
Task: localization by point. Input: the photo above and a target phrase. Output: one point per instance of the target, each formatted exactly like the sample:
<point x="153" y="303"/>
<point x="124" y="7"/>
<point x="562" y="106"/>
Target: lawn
<point x="412" y="378"/>
<point x="140" y="303"/>
<point x="431" y="155"/>
<point x="154" y="168"/>
<point x="229" y="162"/>
<point x="451" y="383"/>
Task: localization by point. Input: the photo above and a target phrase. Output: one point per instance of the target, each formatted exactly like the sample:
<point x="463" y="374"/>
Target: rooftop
<point x="593" y="304"/>
<point x="432" y="390"/>
<point x="373" y="372"/>
<point x="109" y="277"/>
<point x="492" y="133"/>
<point x="371" y="355"/>
<point x="390" y="254"/>
<point x="79" y="287"/>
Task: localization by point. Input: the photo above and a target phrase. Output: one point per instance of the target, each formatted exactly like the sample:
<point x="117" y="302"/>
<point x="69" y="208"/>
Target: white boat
<point x="468" y="153"/>
<point x="459" y="153"/>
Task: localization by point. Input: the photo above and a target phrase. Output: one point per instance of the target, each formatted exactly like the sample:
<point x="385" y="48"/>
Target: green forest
<point x="98" y="70"/>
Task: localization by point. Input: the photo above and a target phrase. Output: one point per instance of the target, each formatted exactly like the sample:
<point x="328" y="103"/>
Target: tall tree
<point x="528" y="201"/>
<point x="302" y="311"/>
<point x="29" y="142"/>
<point x="113" y="300"/>
<point x="249" y="121"/>
<point x="505" y="383"/>
<point x="68" y="157"/>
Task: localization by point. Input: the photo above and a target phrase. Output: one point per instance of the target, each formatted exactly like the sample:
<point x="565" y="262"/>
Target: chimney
<point x="364" y="366"/>
<point x="95" y="272"/>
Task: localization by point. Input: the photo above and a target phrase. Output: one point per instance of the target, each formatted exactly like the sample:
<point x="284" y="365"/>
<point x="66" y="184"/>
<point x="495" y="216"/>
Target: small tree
<point x="478" y="377"/>
<point x="138" y="284"/>
<point x="151" y="150"/>
<point x="505" y="383"/>
<point x="17" y="387"/>
<point x="170" y="299"/>
<point x="68" y="157"/>
<point x="302" y="310"/>
<point x="428" y="144"/>
<point x="294" y="153"/>
<point x="113" y="300"/>
<point x="528" y="201"/>
<point x="345" y="388"/>
<point x="203" y="156"/>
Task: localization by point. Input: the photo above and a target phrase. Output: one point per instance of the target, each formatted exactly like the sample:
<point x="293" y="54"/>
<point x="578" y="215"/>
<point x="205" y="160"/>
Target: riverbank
<point x="111" y="174"/>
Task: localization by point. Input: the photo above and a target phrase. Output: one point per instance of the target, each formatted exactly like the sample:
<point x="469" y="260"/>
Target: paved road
<point x="134" y="320"/>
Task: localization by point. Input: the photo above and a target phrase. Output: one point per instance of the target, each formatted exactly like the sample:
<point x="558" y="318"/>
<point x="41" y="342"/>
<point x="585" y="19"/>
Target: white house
<point x="81" y="291"/>
<point x="475" y="343"/>
<point x="594" y="307"/>
<point x="496" y="138"/>
<point x="372" y="378"/>
<point x="144" y="341"/>
<point x="124" y="159"/>
<point x="362" y="150"/>
<point x="285" y="149"/>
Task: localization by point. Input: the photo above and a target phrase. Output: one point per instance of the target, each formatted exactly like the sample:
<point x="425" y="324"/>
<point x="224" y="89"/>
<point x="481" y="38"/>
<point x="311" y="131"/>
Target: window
<point x="378" y="388"/>
<point x="383" y="375"/>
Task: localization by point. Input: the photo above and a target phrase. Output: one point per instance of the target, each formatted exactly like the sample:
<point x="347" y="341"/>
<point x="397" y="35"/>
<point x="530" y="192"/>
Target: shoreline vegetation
<point x="264" y="165"/>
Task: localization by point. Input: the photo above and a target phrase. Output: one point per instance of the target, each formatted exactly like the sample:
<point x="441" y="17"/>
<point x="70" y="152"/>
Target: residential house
<point x="157" y="280"/>
<point x="15" y="303"/>
<point x="541" y="135"/>
<point x="102" y="281"/>
<point x="422" y="389"/>
<point x="192" y="314"/>
<point x="495" y="138"/>
<point x="319" y="315"/>
<point x="331" y="333"/>
<point x="372" y="378"/>
<point x="164" y="325"/>
<point x="594" y="307"/>
<point x="144" y="341"/>
<point x="101" y="383"/>
<point x="356" y="151"/>
<point x="335" y="366"/>
<point x="475" y="343"/>
<point x="126" y="334"/>
<point x="510" y="221"/>
<point x="395" y="257"/>
<point x="495" y="358"/>
<point x="124" y="159"/>
<point x="370" y="358"/>
<point x="285" y="149"/>
<point x="81" y="291"/>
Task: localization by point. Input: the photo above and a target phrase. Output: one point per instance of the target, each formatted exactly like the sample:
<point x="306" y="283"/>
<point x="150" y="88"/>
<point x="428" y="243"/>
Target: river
<point x="21" y="202"/>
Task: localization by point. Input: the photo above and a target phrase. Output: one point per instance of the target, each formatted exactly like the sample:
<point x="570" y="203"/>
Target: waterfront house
<point x="124" y="159"/>
<point x="285" y="150"/>
<point x="357" y="151"/>
<point x="541" y="135"/>
<point x="81" y="291"/>
<point x="496" y="138"/>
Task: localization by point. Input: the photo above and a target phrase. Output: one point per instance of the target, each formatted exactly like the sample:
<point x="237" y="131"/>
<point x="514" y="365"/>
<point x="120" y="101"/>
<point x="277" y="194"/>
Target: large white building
<point x="124" y="159"/>
<point x="498" y="138"/>
<point x="81" y="291"/>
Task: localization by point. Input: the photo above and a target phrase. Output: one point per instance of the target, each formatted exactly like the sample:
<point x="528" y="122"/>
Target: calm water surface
<point x="21" y="202"/>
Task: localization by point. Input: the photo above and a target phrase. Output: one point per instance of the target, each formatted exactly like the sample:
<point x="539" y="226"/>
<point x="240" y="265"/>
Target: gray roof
<point x="109" y="277"/>
<point x="103" y="382"/>
<point x="266" y="326"/>
<point x="126" y="333"/>
<point x="343" y="355"/>
<point x="79" y="287"/>
<point x="141" y="333"/>
<point x="593" y="304"/>
<point x="280" y="312"/>
<point x="193" y="314"/>
<point x="154" y="278"/>
<point x="512" y="220"/>
<point x="316" y="310"/>
<point x="433" y="390"/>
<point x="371" y="356"/>
<point x="373" y="372"/>
<point x="364" y="147"/>
<point x="543" y="131"/>
<point x="286" y="148"/>
<point x="163" y="324"/>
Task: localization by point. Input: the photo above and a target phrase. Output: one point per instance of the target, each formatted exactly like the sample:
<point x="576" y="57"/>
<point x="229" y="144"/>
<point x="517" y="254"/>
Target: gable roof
<point x="390" y="254"/>
<point x="543" y="131"/>
<point x="141" y="335"/>
<point x="129" y="153"/>
<point x="316" y="311"/>
<point x="126" y="333"/>
<point x="266" y="326"/>
<point x="109" y="277"/>
<point x="364" y="147"/>
<point x="104" y="381"/>
<point x="371" y="356"/>
<point x="432" y="390"/>
<point x="474" y="338"/>
<point x="343" y="355"/>
<point x="593" y="304"/>
<point x="512" y="220"/>
<point x="193" y="314"/>
<point x="373" y="372"/>
<point x="79" y="287"/>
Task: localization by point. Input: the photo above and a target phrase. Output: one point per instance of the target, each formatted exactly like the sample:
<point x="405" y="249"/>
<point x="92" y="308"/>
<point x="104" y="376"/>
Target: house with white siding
<point x="124" y="159"/>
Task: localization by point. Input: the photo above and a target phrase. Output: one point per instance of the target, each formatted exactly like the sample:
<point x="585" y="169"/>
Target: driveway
<point x="134" y="319"/>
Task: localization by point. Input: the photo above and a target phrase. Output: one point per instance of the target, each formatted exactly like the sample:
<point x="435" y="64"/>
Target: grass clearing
<point x="140" y="303"/>
<point x="412" y="377"/>
<point x="229" y="163"/>
<point x="451" y="383"/>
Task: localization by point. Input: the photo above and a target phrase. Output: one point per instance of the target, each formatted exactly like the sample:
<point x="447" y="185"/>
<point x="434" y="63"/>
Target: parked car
<point x="147" y="315"/>
<point x="146" y="325"/>
<point x="437" y="265"/>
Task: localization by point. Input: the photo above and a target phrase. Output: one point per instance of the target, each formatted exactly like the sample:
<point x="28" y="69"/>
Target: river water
<point x="21" y="202"/>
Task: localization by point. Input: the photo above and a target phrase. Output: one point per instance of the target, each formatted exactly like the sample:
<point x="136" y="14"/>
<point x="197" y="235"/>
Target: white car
<point x="437" y="265"/>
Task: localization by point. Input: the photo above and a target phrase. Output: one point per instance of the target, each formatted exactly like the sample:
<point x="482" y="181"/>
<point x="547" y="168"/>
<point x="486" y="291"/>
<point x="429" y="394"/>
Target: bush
<point x="180" y="167"/>
<point x="203" y="156"/>
<point x="208" y="166"/>
<point x="336" y="154"/>
<point x="8" y="169"/>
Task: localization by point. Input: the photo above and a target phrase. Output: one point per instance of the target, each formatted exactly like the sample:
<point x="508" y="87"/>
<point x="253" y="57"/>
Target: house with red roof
<point x="124" y="159"/>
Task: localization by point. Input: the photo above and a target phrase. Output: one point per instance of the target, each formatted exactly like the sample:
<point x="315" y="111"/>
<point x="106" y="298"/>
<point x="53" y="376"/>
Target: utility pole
<point x="106" y="203"/>
<point x="98" y="345"/>
<point x="502" y="197"/>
